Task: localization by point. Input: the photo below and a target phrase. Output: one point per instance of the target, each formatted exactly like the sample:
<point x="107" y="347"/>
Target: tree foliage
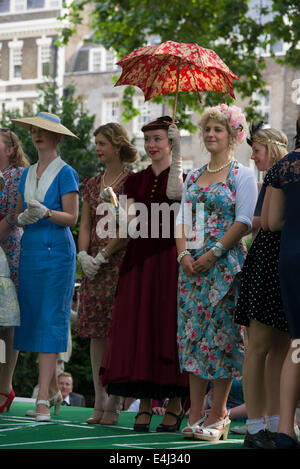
<point x="224" y="26"/>
<point x="285" y="25"/>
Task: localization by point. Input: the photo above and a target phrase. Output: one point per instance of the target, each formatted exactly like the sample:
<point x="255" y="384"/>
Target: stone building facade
<point x="28" y="30"/>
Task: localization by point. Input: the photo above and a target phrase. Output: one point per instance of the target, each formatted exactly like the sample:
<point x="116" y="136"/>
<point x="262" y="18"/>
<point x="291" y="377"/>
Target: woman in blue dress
<point x="221" y="197"/>
<point x="47" y="207"/>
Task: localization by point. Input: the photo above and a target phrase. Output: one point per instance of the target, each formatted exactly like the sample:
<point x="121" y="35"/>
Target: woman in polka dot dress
<point x="260" y="308"/>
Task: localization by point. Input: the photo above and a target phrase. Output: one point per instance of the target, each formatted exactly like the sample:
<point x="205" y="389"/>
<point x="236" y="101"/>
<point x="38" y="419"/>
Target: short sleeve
<point x="86" y="189"/>
<point x="68" y="180"/>
<point x="276" y="179"/>
<point x="21" y="186"/>
<point x="246" y="196"/>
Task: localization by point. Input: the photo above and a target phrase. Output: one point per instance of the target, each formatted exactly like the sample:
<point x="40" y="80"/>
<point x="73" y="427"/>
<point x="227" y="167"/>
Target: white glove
<point x="27" y="218"/>
<point x="175" y="179"/>
<point x="99" y="259"/>
<point x="37" y="209"/>
<point x="88" y="264"/>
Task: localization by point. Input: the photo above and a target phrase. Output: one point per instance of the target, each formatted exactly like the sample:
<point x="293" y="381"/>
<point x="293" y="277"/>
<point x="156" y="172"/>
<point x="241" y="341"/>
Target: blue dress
<point x="47" y="268"/>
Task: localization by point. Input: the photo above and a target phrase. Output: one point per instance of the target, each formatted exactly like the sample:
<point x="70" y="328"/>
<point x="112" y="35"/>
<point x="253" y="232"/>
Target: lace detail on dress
<point x="288" y="170"/>
<point x="271" y="176"/>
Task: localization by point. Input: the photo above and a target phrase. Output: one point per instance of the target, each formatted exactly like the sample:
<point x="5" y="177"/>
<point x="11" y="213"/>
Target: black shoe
<point x="260" y="440"/>
<point x="272" y="435"/>
<point x="284" y="441"/>
<point x="142" y="427"/>
<point x="171" y="428"/>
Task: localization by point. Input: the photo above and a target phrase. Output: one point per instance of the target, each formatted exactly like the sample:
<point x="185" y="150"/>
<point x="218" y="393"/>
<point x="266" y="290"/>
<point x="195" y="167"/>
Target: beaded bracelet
<point x="182" y="254"/>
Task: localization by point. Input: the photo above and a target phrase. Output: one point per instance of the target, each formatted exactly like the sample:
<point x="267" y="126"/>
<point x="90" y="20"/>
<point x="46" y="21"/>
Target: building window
<point x="15" y="59"/>
<point x="264" y="106"/>
<point x="17" y="6"/>
<point x="35" y="4"/>
<point x="96" y="60"/>
<point x="110" y="62"/>
<point x="102" y="60"/>
<point x="4" y="6"/>
<point x="148" y="111"/>
<point x="111" y="110"/>
<point x="17" y="64"/>
<point x="45" y="60"/>
<point x="44" y="56"/>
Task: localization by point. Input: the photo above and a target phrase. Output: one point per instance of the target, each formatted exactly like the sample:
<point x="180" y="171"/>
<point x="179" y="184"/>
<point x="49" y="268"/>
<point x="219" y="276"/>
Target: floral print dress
<point x="97" y="295"/>
<point x="8" y="201"/>
<point x="9" y="255"/>
<point x="210" y="343"/>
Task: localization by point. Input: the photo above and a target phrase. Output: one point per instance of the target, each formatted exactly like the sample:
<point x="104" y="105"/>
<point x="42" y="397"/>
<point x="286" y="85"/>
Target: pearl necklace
<point x="110" y="185"/>
<point x="218" y="169"/>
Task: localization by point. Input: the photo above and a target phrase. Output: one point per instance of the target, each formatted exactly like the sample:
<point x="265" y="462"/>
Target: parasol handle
<point x="176" y="95"/>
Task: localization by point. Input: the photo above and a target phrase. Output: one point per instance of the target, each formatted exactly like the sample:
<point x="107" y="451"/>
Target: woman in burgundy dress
<point x="100" y="268"/>
<point x="141" y="358"/>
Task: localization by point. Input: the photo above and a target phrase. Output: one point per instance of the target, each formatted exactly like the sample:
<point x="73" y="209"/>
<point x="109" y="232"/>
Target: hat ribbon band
<point x="50" y="118"/>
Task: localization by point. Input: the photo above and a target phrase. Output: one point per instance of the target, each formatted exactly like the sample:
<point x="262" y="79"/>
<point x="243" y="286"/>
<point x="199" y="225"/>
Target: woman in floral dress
<point x="221" y="197"/>
<point x="100" y="269"/>
<point x="12" y="164"/>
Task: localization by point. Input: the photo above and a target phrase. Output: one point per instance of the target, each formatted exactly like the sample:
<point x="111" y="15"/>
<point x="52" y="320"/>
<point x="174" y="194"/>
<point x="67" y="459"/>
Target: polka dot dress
<point x="260" y="296"/>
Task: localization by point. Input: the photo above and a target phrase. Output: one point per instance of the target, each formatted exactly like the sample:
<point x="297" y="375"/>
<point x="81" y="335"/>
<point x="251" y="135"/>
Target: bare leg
<point x="97" y="347"/>
<point x="145" y="406"/>
<point x="218" y="411"/>
<point x="112" y="410"/>
<point x="7" y="369"/>
<point x="259" y="344"/>
<point x="47" y="367"/>
<point x="198" y="387"/>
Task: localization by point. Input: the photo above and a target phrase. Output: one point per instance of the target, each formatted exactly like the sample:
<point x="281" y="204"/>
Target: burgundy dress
<point x="97" y="295"/>
<point x="141" y="358"/>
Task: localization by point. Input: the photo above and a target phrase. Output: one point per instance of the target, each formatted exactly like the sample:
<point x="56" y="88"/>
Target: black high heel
<point x="284" y="441"/>
<point x="171" y="428"/>
<point x="142" y="427"/>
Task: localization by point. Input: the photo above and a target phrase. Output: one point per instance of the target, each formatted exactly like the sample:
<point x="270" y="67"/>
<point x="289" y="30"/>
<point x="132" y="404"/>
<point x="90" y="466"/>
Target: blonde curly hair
<point x="231" y="117"/>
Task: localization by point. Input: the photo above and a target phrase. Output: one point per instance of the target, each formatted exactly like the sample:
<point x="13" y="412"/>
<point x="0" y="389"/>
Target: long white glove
<point x="175" y="179"/>
<point x="37" y="209"/>
<point x="27" y="218"/>
<point x="88" y="264"/>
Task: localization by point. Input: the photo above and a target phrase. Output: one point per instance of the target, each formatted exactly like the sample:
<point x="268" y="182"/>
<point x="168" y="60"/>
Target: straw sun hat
<point x="46" y="121"/>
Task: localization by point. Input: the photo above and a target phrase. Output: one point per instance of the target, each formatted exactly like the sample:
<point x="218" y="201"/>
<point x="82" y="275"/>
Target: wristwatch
<point x="218" y="249"/>
<point x="49" y="214"/>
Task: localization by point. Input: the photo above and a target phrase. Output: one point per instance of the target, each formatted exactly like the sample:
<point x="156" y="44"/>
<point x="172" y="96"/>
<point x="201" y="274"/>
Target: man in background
<point x="65" y="384"/>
